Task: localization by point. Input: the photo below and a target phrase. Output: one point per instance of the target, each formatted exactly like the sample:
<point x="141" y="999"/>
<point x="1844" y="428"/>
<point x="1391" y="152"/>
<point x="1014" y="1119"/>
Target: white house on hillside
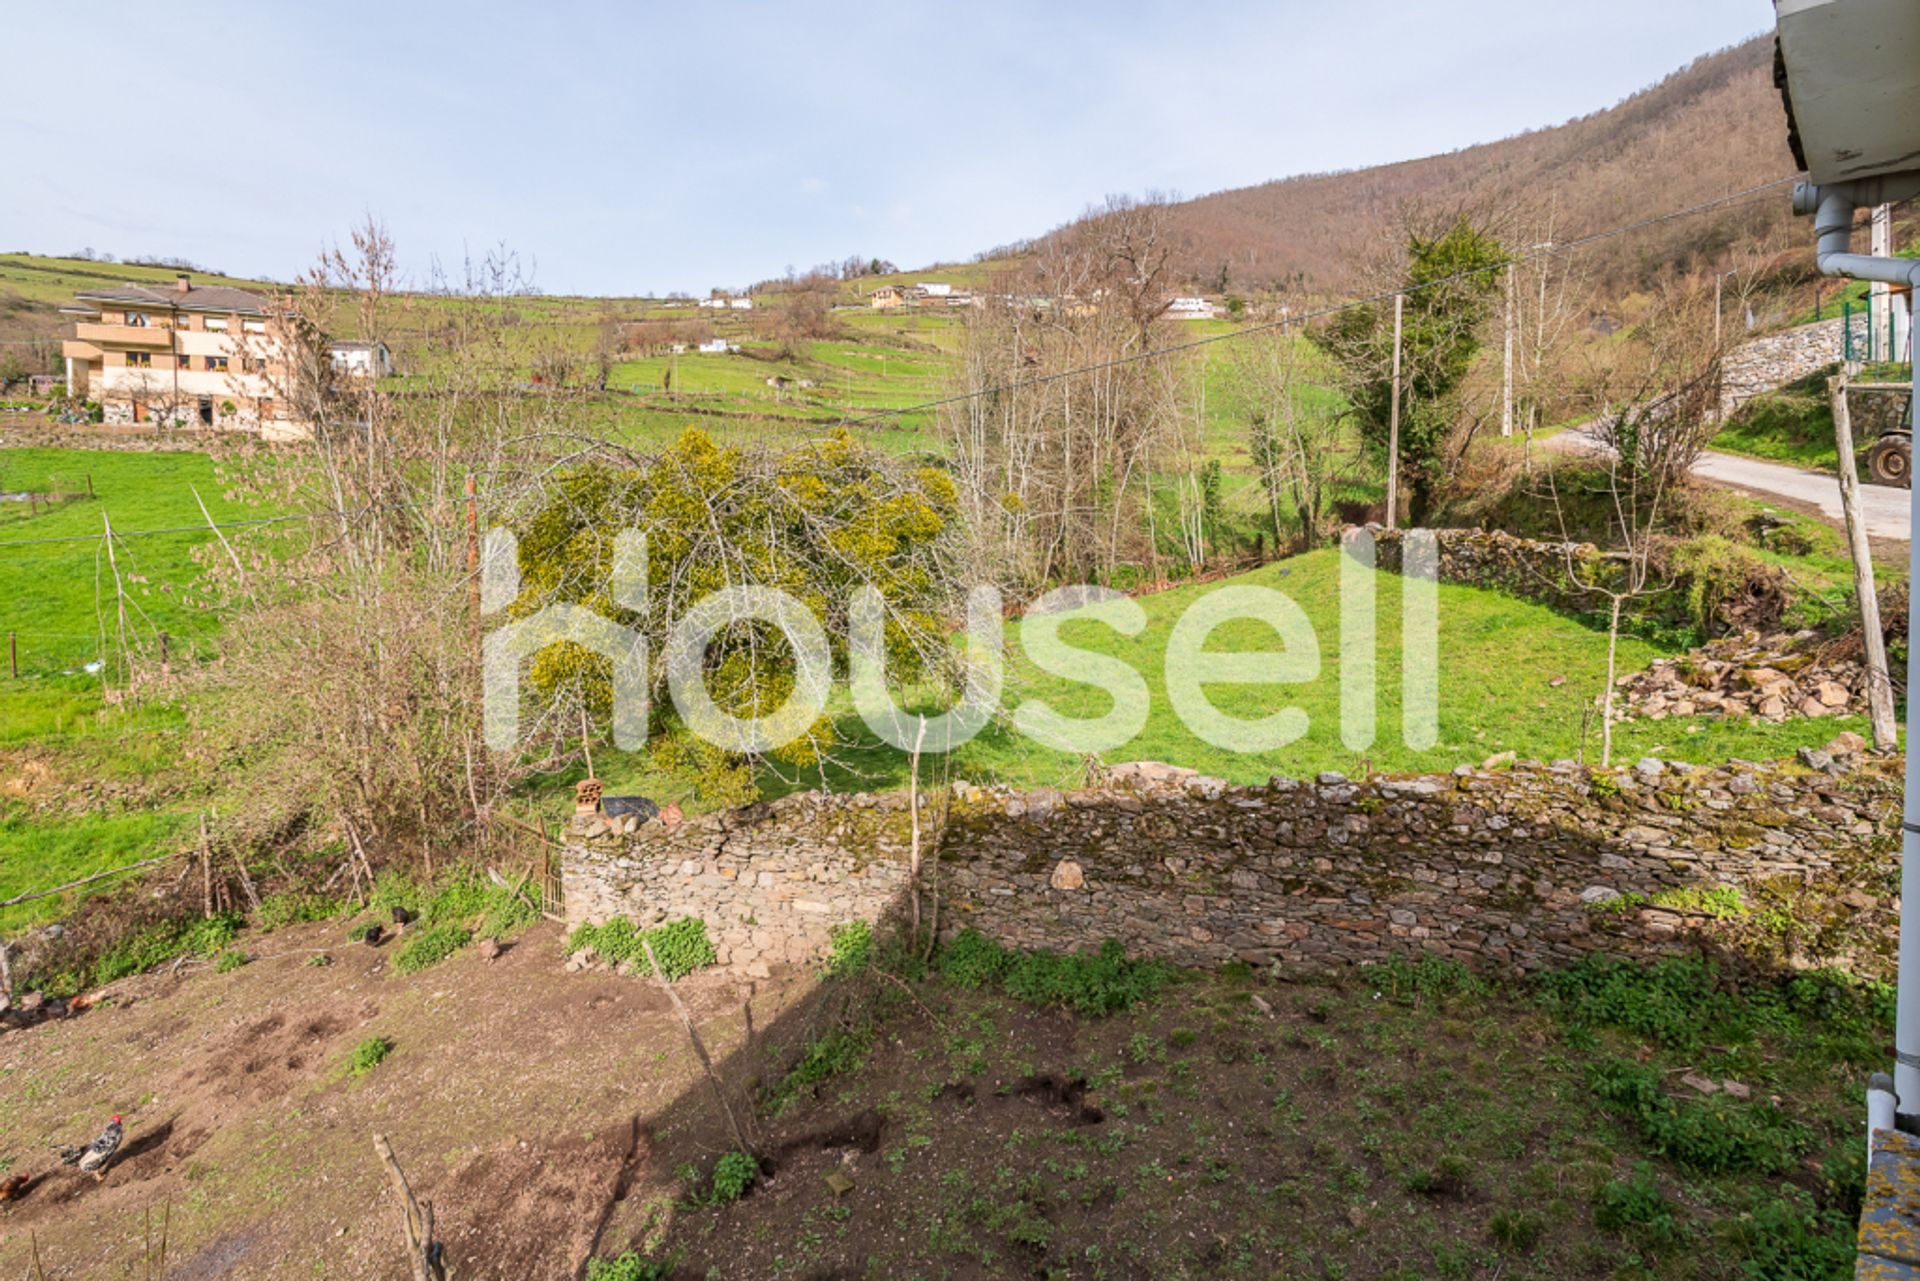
<point x="360" y="359"/>
<point x="1190" y="309"/>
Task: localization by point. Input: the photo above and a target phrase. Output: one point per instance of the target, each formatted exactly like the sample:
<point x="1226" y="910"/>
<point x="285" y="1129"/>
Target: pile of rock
<point x="1772" y="677"/>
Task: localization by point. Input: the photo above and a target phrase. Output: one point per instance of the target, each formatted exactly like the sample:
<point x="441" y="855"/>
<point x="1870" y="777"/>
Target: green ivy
<point x="682" y="945"/>
<point x="1092" y="983"/>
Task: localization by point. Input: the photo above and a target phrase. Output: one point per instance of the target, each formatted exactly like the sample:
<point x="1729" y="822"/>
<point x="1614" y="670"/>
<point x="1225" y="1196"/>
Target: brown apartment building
<point x="187" y="356"/>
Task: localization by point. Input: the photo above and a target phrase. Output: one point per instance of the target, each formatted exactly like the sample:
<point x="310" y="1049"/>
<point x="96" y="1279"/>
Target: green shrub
<point x="1639" y="1209"/>
<point x="628" y="1267"/>
<point x="1714" y="1135"/>
<point x="230" y="960"/>
<point x="429" y="946"/>
<point x="833" y="1054"/>
<point x="1093" y="983"/>
<point x="1783" y="1237"/>
<point x="1424" y="978"/>
<point x="203" y="938"/>
<point x="852" y="949"/>
<point x="1716" y="573"/>
<point x="368" y="1055"/>
<point x="1519" y="1230"/>
<point x="733" y="1174"/>
<point x="1672" y="1001"/>
<point x="277" y="910"/>
<point x="971" y="960"/>
<point x="682" y="946"/>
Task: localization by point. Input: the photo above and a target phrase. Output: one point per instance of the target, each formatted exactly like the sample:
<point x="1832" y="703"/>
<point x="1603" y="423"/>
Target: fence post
<point x="13" y="654"/>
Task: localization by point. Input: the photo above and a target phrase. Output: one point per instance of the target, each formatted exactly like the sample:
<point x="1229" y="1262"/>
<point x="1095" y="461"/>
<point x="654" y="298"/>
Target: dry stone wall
<point x="1511" y="870"/>
<point x="1763" y="364"/>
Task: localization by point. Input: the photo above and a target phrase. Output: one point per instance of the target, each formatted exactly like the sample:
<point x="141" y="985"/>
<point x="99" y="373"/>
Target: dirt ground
<point x="1237" y="1125"/>
<point x="518" y="1098"/>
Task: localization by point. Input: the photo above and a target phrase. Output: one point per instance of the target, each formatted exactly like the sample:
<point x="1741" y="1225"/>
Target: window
<point x="253" y="326"/>
<point x="183" y="323"/>
<point x="216" y="324"/>
<point x="183" y="362"/>
<point x="216" y="364"/>
<point x="252" y="365"/>
<point x="139" y="319"/>
<point x="266" y="407"/>
<point x="140" y="359"/>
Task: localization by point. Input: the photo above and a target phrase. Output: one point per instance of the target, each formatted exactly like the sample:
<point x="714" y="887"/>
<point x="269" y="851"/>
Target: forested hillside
<point x="1711" y="128"/>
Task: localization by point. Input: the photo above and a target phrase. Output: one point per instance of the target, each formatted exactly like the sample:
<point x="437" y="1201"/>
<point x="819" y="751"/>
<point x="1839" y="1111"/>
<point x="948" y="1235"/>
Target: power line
<point x="1323" y="312"/>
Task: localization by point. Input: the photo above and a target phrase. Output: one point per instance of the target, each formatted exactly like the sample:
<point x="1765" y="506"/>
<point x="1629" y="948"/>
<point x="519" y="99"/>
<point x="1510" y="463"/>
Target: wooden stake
<point x="586" y="747"/>
<point x="13" y="654"/>
<point x="424" y="1260"/>
<point x="1879" y="684"/>
<point x="206" y="869"/>
<point x="1393" y="424"/>
<point x="246" y="882"/>
<point x="699" y="1048"/>
<point x="473" y="560"/>
<point x="913" y="809"/>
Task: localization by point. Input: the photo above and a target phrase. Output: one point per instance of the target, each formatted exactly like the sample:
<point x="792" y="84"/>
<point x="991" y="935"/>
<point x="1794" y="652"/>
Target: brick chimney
<point x="182" y="282"/>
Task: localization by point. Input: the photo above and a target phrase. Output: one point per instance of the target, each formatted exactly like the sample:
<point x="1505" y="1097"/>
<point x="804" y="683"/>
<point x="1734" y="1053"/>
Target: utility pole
<point x="1393" y="424"/>
<point x="1717" y="281"/>
<point x="1506" y="377"/>
<point x="1880" y="294"/>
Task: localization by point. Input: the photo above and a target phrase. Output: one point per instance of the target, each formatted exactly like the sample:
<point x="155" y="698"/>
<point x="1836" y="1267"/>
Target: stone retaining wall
<point x="1512" y="870"/>
<point x="1763" y="364"/>
<point x="770" y="880"/>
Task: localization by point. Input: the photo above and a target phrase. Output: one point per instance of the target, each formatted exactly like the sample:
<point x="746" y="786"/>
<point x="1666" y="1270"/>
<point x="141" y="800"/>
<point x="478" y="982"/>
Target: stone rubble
<point x="1773" y="677"/>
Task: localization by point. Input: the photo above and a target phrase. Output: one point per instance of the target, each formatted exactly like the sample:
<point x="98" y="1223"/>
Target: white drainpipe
<point x="1833" y="209"/>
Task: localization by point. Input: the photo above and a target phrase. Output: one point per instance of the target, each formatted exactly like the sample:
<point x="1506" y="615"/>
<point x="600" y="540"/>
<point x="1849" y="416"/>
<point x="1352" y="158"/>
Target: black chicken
<point x="96" y="1156"/>
<point x="401" y="916"/>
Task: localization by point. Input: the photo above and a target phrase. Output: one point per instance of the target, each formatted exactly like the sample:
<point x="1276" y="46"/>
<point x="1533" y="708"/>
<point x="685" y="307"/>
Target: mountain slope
<point x="1711" y="128"/>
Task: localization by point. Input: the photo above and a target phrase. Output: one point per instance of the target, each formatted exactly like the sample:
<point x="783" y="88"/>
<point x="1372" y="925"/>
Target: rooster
<point x="96" y="1156"/>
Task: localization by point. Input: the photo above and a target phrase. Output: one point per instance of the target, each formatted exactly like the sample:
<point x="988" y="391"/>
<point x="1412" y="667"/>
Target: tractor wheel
<point x="1890" y="461"/>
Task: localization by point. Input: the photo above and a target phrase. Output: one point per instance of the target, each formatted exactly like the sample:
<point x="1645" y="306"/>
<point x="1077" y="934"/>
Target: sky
<point x="641" y="148"/>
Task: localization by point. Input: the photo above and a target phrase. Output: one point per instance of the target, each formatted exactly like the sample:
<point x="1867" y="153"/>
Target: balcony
<point x="143" y="337"/>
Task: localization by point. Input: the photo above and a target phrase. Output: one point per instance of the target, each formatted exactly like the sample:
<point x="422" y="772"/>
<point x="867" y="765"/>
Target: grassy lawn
<point x="1792" y="425"/>
<point x="58" y="596"/>
<point x="58" y="599"/>
<point x="1499" y="660"/>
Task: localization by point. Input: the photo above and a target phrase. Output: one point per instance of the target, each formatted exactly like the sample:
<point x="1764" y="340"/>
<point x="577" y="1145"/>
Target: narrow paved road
<point x="1886" y="508"/>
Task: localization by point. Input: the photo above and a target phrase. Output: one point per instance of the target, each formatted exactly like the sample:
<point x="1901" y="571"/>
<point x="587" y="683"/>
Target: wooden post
<point x="425" y="1260"/>
<point x="206" y="870"/>
<point x="13" y="654"/>
<point x="1506" y="376"/>
<point x="473" y="558"/>
<point x="89" y="484"/>
<point x="6" y="978"/>
<point x="913" y="810"/>
<point x="1879" y="685"/>
<point x="699" y="1046"/>
<point x="1393" y="424"/>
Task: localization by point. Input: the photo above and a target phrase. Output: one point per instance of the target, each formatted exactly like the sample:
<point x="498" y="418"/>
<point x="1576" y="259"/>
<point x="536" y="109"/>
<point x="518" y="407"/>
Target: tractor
<point x="1890" y="458"/>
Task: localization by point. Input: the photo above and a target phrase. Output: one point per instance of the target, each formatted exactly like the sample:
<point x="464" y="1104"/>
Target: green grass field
<point x="56" y="580"/>
<point x="1499" y="657"/>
